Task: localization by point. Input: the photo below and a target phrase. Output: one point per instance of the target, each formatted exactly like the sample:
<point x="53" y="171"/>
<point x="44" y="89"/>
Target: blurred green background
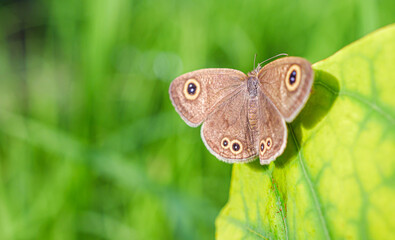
<point x="90" y="145"/>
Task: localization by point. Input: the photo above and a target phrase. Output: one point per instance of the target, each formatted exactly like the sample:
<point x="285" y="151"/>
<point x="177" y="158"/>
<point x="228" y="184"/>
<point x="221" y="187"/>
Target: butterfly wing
<point x="272" y="131"/>
<point x="226" y="131"/>
<point x="287" y="83"/>
<point x="196" y="94"/>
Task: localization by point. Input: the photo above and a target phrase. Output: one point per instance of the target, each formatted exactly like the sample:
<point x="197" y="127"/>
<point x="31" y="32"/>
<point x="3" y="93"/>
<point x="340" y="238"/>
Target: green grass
<point x="90" y="145"/>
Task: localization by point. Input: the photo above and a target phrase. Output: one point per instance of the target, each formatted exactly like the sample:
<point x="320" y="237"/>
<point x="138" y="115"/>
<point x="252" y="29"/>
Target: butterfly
<point x="244" y="116"/>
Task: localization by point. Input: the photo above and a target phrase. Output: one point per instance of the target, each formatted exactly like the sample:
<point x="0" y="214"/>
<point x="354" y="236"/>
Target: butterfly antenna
<point x="278" y="55"/>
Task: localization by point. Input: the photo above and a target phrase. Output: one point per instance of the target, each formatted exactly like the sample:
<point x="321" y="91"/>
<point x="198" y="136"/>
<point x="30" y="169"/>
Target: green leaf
<point x="336" y="178"/>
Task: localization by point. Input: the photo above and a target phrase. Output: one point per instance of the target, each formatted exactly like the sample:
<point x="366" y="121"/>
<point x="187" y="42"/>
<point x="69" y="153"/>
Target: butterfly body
<point x="244" y="115"/>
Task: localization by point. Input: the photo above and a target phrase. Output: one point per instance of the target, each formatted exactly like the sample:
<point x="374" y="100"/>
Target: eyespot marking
<point x="191" y="89"/>
<point x="262" y="147"/>
<point x="225" y="143"/>
<point x="236" y="147"/>
<point x="269" y="143"/>
<point x="293" y="77"/>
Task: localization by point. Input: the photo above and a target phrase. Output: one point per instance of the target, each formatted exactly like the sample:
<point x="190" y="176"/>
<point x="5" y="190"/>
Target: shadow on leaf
<point x="257" y="166"/>
<point x="324" y="93"/>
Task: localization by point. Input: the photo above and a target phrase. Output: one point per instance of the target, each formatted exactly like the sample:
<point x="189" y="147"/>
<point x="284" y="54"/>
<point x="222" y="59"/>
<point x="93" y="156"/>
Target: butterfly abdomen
<point x="252" y="87"/>
<point x="253" y="115"/>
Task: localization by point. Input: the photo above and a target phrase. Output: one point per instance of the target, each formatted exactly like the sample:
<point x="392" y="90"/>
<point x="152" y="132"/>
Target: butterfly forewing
<point x="196" y="94"/>
<point x="287" y="83"/>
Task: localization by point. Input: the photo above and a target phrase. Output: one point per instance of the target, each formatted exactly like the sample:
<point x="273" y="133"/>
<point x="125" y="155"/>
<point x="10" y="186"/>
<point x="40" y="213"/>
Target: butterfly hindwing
<point x="272" y="136"/>
<point x="226" y="131"/>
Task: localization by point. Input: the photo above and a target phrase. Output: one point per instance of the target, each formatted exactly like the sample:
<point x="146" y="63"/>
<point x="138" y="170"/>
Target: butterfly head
<point x="254" y="73"/>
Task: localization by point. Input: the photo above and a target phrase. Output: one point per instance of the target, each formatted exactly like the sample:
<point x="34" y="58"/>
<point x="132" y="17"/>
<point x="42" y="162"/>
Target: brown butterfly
<point x="244" y="115"/>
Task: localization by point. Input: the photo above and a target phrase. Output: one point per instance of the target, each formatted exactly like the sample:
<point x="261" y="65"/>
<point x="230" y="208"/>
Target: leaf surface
<point x="336" y="178"/>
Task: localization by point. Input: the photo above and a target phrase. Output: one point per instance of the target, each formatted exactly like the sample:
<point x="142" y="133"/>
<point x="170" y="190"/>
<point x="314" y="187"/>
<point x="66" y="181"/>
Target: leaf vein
<point x="312" y="190"/>
<point x="373" y="106"/>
